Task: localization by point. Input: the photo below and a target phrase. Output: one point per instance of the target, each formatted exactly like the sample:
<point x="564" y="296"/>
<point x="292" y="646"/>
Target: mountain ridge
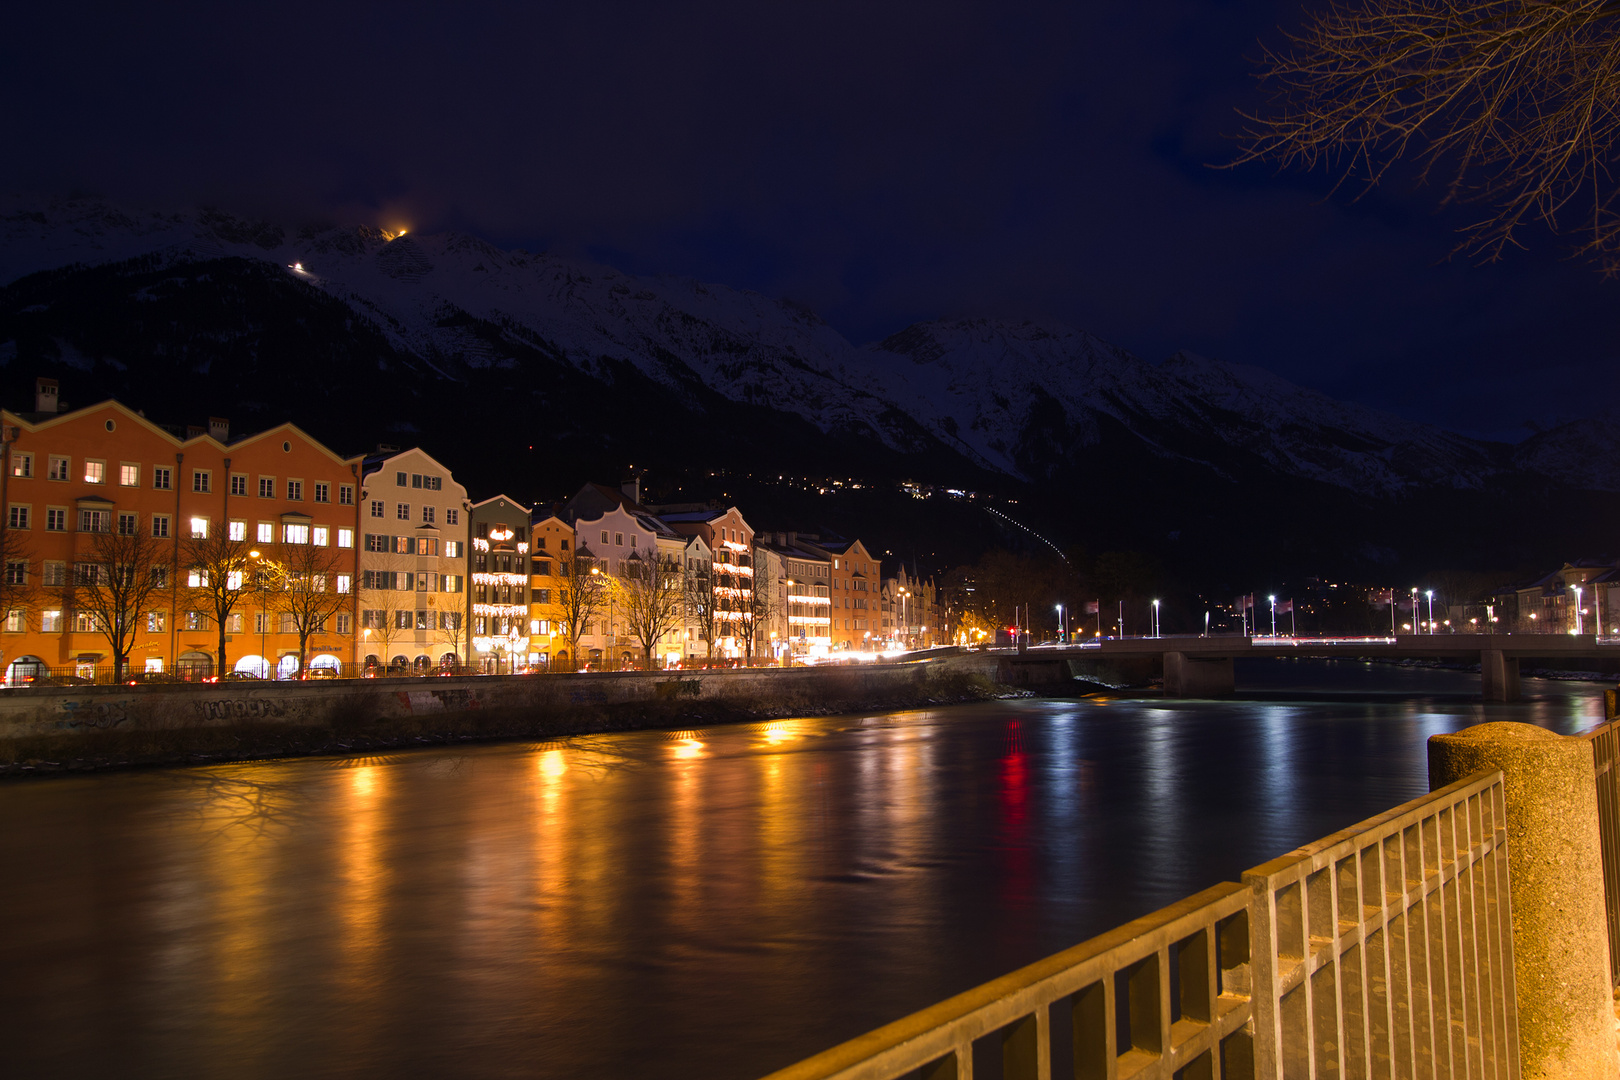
<point x="587" y="368"/>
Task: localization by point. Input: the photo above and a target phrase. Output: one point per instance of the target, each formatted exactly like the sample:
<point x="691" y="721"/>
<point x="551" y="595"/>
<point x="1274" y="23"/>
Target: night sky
<point x="880" y="163"/>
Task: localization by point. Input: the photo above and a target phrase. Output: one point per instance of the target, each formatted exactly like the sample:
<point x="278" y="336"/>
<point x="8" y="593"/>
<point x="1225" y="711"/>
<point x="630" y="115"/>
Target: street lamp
<point x="1579" y="624"/>
<point x="1273" y="600"/>
<point x="1061" y="635"/>
<point x="258" y="580"/>
<point x="1155" y="618"/>
<point x="1430" y="594"/>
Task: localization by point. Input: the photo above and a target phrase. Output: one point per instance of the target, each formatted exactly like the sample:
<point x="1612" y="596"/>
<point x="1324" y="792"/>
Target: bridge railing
<point x="1385" y="949"/>
<point x="1605" y="742"/>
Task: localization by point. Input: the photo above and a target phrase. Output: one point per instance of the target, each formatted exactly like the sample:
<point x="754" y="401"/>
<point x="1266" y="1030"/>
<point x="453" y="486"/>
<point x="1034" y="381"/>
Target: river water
<point x="714" y="903"/>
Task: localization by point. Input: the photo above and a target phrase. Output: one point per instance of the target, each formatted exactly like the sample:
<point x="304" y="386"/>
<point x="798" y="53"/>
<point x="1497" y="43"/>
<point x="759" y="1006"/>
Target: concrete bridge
<point x="1202" y="666"/>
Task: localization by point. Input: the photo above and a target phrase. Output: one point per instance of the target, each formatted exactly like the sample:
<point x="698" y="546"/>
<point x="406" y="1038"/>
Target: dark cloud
<point x="882" y="163"/>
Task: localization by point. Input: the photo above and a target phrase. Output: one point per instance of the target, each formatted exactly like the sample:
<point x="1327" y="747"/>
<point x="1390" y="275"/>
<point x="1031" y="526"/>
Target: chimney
<point x="193" y="431"/>
<point x="45" y="395"/>
<point x="219" y="428"/>
<point x="632" y="489"/>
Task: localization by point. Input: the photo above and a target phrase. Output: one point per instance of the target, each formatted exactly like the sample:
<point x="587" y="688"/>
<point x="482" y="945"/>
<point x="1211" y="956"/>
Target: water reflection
<point x="706" y="903"/>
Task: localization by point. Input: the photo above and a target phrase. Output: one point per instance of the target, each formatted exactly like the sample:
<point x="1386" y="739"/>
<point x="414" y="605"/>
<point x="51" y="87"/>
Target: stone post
<point x="1555" y="873"/>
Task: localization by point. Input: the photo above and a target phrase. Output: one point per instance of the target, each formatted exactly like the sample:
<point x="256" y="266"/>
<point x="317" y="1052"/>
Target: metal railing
<point x="1383" y="950"/>
<point x="1605" y="740"/>
<point x="1387" y="949"/>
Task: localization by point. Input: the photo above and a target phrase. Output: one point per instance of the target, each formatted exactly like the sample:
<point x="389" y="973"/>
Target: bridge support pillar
<point x="1555" y="883"/>
<point x="1197" y="676"/>
<point x="1498" y="675"/>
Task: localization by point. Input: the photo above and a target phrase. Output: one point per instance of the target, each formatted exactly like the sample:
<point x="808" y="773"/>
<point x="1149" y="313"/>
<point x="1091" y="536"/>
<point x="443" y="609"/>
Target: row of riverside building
<point x="417" y="576"/>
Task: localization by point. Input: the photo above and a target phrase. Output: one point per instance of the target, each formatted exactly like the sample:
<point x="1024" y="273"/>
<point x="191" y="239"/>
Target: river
<point x="713" y="903"/>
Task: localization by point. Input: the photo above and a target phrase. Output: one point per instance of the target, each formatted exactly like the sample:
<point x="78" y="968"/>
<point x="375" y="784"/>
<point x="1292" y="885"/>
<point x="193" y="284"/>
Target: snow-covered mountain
<point x="1026" y="399"/>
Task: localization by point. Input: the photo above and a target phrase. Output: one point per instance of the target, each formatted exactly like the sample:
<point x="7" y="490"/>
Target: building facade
<point x="551" y="543"/>
<point x="498" y="597"/>
<point x="73" y="480"/>
<point x="413" y="565"/>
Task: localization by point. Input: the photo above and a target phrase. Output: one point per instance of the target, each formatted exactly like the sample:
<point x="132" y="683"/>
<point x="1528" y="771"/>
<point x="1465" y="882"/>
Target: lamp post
<point x="1579" y="622"/>
<point x="1430" y="594"/>
<point x="258" y="579"/>
<point x="787" y="649"/>
<point x="1414" y="607"/>
<point x="1060" y="624"/>
<point x="1273" y="600"/>
<point x="1155" y="618"/>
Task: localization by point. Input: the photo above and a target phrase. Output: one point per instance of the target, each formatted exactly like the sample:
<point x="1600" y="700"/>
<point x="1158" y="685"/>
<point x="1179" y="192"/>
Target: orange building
<point x="857" y="590"/>
<point x="106" y="469"/>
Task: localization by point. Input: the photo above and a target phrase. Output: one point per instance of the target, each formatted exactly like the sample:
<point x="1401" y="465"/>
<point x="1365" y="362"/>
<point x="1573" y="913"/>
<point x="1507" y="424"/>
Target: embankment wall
<point x="118" y="724"/>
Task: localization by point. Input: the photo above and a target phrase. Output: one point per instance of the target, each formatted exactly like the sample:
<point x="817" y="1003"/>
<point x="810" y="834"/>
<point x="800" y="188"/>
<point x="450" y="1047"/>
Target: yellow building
<point x="548" y="630"/>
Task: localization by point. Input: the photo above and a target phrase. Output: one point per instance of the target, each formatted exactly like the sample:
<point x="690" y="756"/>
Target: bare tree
<point x="381" y="629"/>
<point x="450" y="631"/>
<point x="581" y="595"/>
<point x="19" y="589"/>
<point x="704" y="604"/>
<point x="111" y="585"/>
<point x="307" y="592"/>
<point x="1510" y="104"/>
<point x="650" y="593"/>
<point x="216" y="568"/>
<point x="755" y="609"/>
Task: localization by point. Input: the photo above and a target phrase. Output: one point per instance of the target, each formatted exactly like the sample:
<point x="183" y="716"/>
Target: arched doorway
<point x="25" y="669"/>
<point x="254" y="666"/>
<point x="326" y="662"/>
<point x="449" y="662"/>
<point x="421" y="664"/>
<point x="194" y="666"/>
<point x="287" y="667"/>
<point x="399" y="665"/>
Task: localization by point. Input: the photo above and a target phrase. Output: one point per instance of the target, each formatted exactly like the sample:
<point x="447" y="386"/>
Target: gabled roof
<point x="45" y="421"/>
<point x="495" y="498"/>
<point x="371" y="463"/>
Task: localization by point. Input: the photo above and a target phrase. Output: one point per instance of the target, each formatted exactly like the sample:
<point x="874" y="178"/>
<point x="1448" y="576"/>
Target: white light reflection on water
<point x="706" y="903"/>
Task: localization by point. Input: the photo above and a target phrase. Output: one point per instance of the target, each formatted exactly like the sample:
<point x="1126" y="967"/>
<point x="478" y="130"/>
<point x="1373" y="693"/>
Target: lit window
<point x="197" y="579"/>
<point x="22" y="465"/>
<point x="50" y="622"/>
<point x="58" y="469"/>
<point x="266" y="533"/>
<point x="95" y="472"/>
<point x="345" y="583"/>
<point x="233" y="580"/>
<point x="14" y="621"/>
<point x="295" y="534"/>
<point x="345" y="538"/>
<point x="199" y="528"/>
<point x="129" y="475"/>
<point x="238" y="530"/>
<point x="452" y="549"/>
<point x="320" y="534"/>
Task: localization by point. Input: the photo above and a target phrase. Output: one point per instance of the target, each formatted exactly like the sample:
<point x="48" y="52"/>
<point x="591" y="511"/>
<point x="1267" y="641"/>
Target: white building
<point x="413" y="563"/>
